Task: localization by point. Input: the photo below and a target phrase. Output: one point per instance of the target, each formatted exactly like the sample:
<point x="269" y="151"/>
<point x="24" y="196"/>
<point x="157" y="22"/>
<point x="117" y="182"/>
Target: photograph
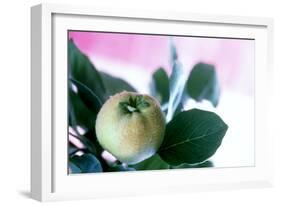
<point x="143" y="102"/>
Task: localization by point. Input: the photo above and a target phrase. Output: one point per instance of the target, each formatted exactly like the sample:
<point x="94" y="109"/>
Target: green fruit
<point x="130" y="126"/>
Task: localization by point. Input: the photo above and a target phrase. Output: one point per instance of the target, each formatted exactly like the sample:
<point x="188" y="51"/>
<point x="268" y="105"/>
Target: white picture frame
<point x="49" y="178"/>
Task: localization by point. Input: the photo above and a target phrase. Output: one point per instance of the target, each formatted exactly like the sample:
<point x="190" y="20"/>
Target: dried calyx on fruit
<point x="134" y="104"/>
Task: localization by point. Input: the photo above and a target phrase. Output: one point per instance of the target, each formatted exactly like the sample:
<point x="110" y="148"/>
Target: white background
<point x="15" y="102"/>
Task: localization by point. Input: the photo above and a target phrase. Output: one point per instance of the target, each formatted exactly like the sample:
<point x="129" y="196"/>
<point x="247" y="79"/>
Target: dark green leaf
<point x="160" y="86"/>
<point x="203" y="83"/>
<point x="179" y="109"/>
<point x="192" y="137"/>
<point x="201" y="165"/>
<point x="71" y="149"/>
<point x="91" y="144"/>
<point x="152" y="163"/>
<point x="88" y="97"/>
<point x="120" y="168"/>
<point x="87" y="163"/>
<point x="79" y="113"/>
<point x="73" y="169"/>
<point x="115" y="85"/>
<point x="91" y="136"/>
<point x="83" y="70"/>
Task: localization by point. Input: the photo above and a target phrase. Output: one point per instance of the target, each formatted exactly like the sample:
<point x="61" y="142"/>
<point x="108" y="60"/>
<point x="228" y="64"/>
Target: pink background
<point x="233" y="58"/>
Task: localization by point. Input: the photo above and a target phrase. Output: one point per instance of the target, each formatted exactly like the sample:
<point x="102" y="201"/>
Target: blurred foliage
<point x="115" y="85"/>
<point x="87" y="163"/>
<point x="203" y="83"/>
<point x="191" y="138"/>
<point x="160" y="86"/>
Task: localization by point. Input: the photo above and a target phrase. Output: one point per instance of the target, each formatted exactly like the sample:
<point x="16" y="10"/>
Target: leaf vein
<point x="191" y="139"/>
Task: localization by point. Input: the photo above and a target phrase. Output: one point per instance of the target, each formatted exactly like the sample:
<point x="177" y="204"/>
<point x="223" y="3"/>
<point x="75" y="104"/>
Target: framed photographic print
<point x="135" y="102"/>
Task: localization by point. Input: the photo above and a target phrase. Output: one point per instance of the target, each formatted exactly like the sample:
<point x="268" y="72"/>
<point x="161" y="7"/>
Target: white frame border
<point x="42" y="91"/>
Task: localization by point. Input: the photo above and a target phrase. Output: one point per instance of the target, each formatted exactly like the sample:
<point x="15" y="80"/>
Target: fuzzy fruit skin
<point x="130" y="137"/>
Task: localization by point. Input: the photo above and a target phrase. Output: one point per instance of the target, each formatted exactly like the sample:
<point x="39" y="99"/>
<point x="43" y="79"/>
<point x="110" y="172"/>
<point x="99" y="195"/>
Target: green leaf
<point x="79" y="113"/>
<point x="160" y="85"/>
<point x="101" y="84"/>
<point x="201" y="165"/>
<point x="72" y="149"/>
<point x="192" y="137"/>
<point x="179" y="109"/>
<point x="115" y="85"/>
<point x="83" y="70"/>
<point x="98" y="150"/>
<point x="153" y="163"/>
<point x="73" y="169"/>
<point x="203" y="83"/>
<point x="92" y="137"/>
<point x="120" y="168"/>
<point x="87" y="163"/>
<point x="88" y="97"/>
